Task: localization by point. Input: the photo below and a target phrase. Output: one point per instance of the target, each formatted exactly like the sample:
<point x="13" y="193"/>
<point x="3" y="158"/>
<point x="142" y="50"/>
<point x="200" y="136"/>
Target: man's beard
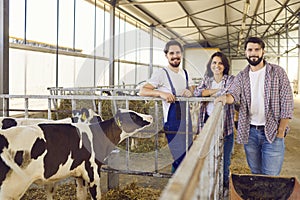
<point x="254" y="63"/>
<point x="175" y="64"/>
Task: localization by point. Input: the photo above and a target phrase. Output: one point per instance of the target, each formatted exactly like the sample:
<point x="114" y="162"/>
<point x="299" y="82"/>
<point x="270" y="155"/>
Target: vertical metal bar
<point x="95" y="43"/>
<point x="104" y="31"/>
<point x="227" y="29"/>
<point x="136" y="53"/>
<point x="26" y="107"/>
<point x="119" y="47"/>
<point x="3" y="107"/>
<point x="25" y="23"/>
<point x="127" y="143"/>
<point x="73" y="101"/>
<point x="127" y="104"/>
<point x="94" y="102"/>
<point x="100" y="107"/>
<point x="186" y="125"/>
<point x="4" y="49"/>
<point x="113" y="178"/>
<point x="278" y="49"/>
<point x="57" y="36"/>
<point x="25" y="42"/>
<point x="127" y="153"/>
<point x="115" y="108"/>
<point x="6" y="107"/>
<point x="112" y="47"/>
<point x="49" y="108"/>
<point x="151" y="52"/>
<point x="264" y="11"/>
<point x="74" y="26"/>
<point x="156" y="137"/>
<point x="124" y="40"/>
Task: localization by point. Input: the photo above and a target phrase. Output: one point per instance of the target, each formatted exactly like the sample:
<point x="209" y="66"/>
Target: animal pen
<point x="198" y="177"/>
<point x="124" y="161"/>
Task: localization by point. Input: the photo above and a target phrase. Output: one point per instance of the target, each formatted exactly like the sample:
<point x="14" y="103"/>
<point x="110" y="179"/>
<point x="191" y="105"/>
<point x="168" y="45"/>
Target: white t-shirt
<point x="210" y="105"/>
<point x="257" y="110"/>
<point x="160" y="81"/>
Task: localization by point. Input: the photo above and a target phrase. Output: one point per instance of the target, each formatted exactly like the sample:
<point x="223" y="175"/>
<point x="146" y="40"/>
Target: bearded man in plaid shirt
<point x="266" y="106"/>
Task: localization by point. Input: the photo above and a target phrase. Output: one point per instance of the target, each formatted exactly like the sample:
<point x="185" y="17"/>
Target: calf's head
<point x="131" y="122"/>
<point x="110" y="132"/>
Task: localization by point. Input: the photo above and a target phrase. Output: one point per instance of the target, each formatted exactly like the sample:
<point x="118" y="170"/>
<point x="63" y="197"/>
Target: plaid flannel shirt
<point x="278" y="101"/>
<point x="206" y="83"/>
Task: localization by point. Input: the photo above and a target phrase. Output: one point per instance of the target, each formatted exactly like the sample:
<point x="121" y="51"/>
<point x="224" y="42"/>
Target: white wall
<point x="238" y="65"/>
<point x="196" y="60"/>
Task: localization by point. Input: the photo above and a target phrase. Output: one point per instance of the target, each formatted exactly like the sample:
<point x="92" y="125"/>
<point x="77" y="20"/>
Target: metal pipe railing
<point x="205" y="138"/>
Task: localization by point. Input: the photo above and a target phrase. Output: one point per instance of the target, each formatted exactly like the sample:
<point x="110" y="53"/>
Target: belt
<point x="260" y="128"/>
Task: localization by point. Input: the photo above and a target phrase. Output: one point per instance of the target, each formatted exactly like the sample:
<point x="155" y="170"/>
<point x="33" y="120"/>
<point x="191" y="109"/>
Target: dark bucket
<point x="261" y="187"/>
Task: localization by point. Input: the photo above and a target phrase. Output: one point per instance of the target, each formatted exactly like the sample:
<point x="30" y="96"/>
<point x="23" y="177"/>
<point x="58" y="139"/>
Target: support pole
<point x="112" y="47"/>
<point x="112" y="178"/>
<point x="150" y="71"/>
<point x="278" y="49"/>
<point x="4" y="53"/>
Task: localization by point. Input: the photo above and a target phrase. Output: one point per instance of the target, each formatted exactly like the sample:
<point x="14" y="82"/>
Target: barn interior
<point x="94" y="47"/>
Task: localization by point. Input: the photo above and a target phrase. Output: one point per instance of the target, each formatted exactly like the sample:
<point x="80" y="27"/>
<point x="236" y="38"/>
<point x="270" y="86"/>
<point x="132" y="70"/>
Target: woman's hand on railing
<point x="186" y="93"/>
<point x="222" y="99"/>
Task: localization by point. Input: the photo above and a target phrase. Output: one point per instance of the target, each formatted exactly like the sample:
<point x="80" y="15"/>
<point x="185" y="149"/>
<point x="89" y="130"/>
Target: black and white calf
<point x="49" y="152"/>
<point x="83" y="115"/>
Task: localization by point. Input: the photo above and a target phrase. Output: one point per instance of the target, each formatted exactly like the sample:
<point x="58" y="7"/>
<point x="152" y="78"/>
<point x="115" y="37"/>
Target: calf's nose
<point x="150" y="119"/>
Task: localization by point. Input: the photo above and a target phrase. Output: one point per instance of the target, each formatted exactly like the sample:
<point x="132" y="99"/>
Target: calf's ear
<point x="74" y="112"/>
<point x="85" y="112"/>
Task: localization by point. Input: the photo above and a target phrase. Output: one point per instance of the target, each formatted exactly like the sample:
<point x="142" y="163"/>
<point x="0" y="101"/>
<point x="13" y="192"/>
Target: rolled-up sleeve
<point x="202" y="86"/>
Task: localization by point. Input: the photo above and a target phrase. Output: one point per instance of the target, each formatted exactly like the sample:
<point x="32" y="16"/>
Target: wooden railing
<point x="200" y="174"/>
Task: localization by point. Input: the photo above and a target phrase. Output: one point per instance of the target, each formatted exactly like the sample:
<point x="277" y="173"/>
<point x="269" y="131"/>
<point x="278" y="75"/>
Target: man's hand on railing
<point x="169" y="97"/>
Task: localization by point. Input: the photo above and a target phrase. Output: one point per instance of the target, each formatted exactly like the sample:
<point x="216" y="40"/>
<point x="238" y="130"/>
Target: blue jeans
<point x="228" y="145"/>
<point x="263" y="157"/>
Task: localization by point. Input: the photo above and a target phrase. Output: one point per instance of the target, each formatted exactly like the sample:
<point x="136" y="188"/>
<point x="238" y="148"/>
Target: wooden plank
<point x="184" y="182"/>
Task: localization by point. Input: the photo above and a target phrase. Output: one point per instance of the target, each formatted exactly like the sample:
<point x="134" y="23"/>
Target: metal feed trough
<point x="250" y="186"/>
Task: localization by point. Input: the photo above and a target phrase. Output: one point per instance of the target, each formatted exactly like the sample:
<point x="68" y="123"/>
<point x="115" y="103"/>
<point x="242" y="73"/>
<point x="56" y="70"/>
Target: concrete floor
<point x="291" y="165"/>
